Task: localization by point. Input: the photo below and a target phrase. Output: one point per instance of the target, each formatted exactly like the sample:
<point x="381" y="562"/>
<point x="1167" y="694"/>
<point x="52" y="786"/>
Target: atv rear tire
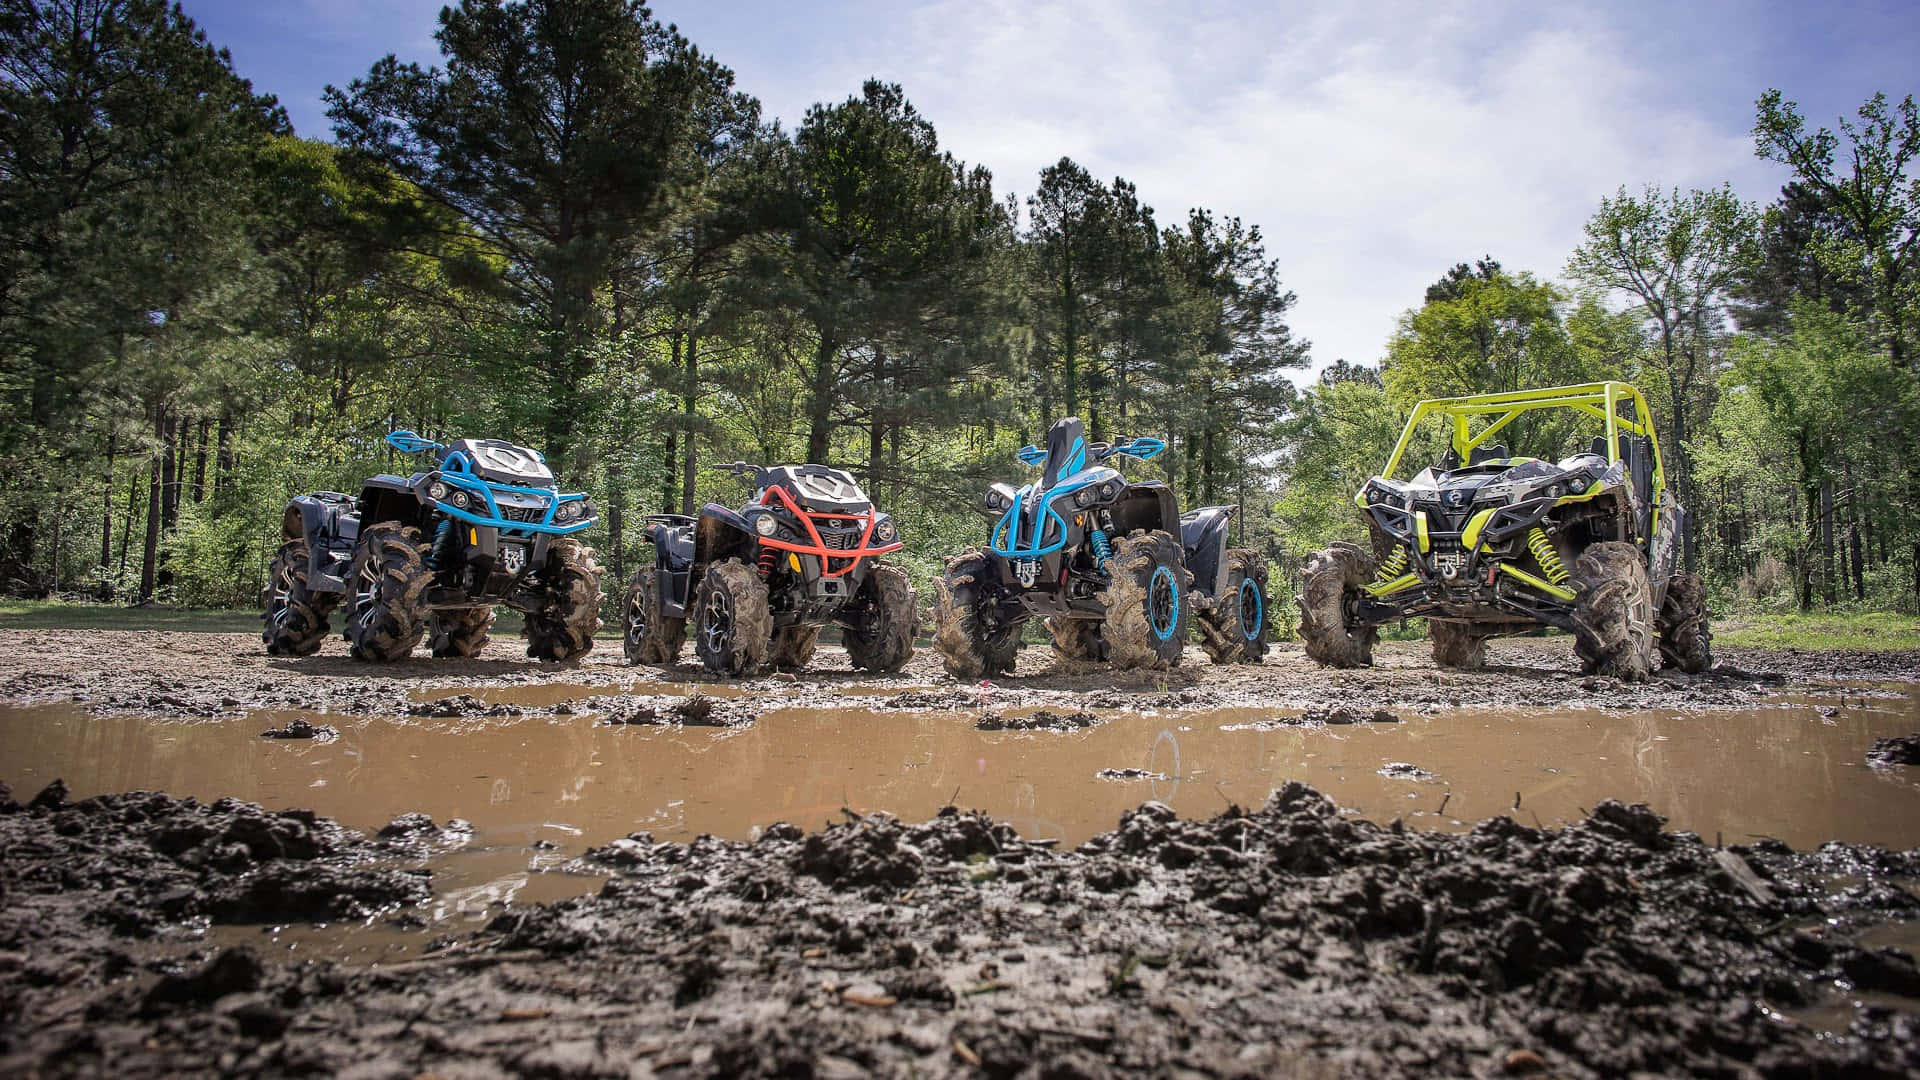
<point x="967" y="650"/>
<point x="1329" y="587"/>
<point x="296" y="619"/>
<point x="1075" y="640"/>
<point x="732" y="628"/>
<point x="651" y="635"/>
<point x="562" y="628"/>
<point x="1685" y="641"/>
<point x="461" y="632"/>
<point x="793" y="647"/>
<point x="1455" y="645"/>
<point x="1148" y="601"/>
<point x="1613" y="614"/>
<point x="385" y="619"/>
<point x="1234" y="629"/>
<point x="884" y="640"/>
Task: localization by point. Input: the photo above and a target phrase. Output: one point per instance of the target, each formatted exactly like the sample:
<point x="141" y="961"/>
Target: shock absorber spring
<point x="442" y="553"/>
<point x="769" y="558"/>
<point x="1102" y="547"/>
<point x="1392" y="566"/>
<point x="1546" y="555"/>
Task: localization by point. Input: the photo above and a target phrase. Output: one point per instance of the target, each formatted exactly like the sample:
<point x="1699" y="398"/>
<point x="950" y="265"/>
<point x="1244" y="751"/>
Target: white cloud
<point x="1374" y="144"/>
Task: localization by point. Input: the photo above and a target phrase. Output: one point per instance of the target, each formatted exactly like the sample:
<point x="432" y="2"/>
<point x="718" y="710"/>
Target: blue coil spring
<point x="1102" y="549"/>
<point x="442" y="546"/>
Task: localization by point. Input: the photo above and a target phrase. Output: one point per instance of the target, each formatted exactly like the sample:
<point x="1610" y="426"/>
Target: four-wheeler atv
<point x="1112" y="566"/>
<point x="760" y="583"/>
<point x="432" y="553"/>
<point x="1481" y="543"/>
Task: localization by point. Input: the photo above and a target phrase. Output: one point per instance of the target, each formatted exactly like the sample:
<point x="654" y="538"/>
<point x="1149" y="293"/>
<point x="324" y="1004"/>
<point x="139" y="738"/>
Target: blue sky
<point x="1374" y="143"/>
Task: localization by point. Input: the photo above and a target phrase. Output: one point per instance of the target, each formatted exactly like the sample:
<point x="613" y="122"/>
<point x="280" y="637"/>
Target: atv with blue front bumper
<point x="432" y="553"/>
<point x="1113" y="569"/>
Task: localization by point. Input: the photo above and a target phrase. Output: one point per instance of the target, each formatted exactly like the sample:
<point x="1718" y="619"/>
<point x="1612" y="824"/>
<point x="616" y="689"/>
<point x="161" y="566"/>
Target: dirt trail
<point x="187" y="675"/>
<point x="1292" y="941"/>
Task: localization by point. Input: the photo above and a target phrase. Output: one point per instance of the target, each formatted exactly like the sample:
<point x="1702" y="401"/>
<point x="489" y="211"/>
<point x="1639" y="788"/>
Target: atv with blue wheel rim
<point x="1233" y="627"/>
<point x="1110" y="564"/>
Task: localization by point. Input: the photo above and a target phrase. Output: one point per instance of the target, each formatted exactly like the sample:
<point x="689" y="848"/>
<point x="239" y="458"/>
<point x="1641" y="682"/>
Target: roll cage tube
<point x="456" y="471"/>
<point x="1602" y="400"/>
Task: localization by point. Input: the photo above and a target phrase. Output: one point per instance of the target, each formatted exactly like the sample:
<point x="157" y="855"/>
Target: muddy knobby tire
<point x="732" y="628"/>
<point x="885" y="641"/>
<point x="1685" y="641"/>
<point x="650" y="635"/>
<point x="1455" y="645"/>
<point x="1148" y="600"/>
<point x="460" y="633"/>
<point x="1234" y="629"/>
<point x="966" y="650"/>
<point x="1613" y="624"/>
<point x="295" y="619"/>
<point x="385" y="618"/>
<point x="1331" y="579"/>
<point x="793" y="647"/>
<point x="1075" y="640"/>
<point x="562" y="627"/>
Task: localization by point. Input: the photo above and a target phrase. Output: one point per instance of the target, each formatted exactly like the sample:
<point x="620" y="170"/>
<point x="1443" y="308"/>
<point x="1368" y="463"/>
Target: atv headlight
<point x="461" y="499"/>
<point x="573" y="510"/>
<point x="1086" y="496"/>
<point x="999" y="497"/>
<point x="1109" y="489"/>
<point x="1555" y="490"/>
<point x="764" y="524"/>
<point x="883" y="531"/>
<point x="437" y="491"/>
<point x="1578" y="484"/>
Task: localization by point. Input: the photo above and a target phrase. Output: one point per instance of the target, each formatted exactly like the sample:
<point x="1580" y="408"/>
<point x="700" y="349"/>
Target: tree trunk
<point x="223" y="454"/>
<point x="1859" y="574"/>
<point x="1826" y="542"/>
<point x="200" y="463"/>
<point x="667" y="494"/>
<point x="820" y="403"/>
<point x="59" y="518"/>
<point x="126" y="521"/>
<point x="106" y="511"/>
<point x="689" y="399"/>
<point x="150" y="550"/>
<point x="170" y="475"/>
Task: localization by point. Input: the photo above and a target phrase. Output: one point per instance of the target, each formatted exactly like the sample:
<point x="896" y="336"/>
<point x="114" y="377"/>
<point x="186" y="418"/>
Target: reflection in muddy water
<point x="1786" y="771"/>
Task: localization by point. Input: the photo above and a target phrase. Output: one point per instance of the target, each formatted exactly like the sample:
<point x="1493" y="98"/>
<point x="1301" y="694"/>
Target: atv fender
<point x="1149" y="505"/>
<point x="1203" y="533"/>
<point x="672" y="537"/>
<point x="327" y="521"/>
<point x="389" y="498"/>
<point x="721" y="534"/>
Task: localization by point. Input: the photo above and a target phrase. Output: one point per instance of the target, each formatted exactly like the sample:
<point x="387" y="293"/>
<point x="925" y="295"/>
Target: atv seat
<point x="1598" y="447"/>
<point x="1482" y="454"/>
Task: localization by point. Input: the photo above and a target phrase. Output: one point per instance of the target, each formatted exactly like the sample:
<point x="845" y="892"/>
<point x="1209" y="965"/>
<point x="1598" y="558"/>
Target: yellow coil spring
<point x="1392" y="566"/>
<point x="1546" y="556"/>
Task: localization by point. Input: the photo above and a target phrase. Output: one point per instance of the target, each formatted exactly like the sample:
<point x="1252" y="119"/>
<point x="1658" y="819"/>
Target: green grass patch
<point x="68" y="615"/>
<point x="1866" y="630"/>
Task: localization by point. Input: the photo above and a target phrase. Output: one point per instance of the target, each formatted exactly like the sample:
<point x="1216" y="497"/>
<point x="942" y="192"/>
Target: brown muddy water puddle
<point x="1789" y="771"/>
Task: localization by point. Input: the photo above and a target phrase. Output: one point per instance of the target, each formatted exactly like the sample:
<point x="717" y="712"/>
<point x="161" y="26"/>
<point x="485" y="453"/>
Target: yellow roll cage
<point x="1601" y="399"/>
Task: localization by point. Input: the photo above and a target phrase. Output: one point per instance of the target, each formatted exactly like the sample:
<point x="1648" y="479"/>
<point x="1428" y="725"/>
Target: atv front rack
<point x="826" y="553"/>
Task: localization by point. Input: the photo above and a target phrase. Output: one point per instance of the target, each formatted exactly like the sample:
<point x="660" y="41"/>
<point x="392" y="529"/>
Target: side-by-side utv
<point x="759" y="583"/>
<point x="432" y="553"/>
<point x="1113" y="567"/>
<point x="1486" y="542"/>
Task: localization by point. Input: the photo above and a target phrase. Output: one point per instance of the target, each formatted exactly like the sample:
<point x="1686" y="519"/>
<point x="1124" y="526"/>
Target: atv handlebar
<point x="738" y="468"/>
<point x="1139" y="446"/>
<point x="408" y="443"/>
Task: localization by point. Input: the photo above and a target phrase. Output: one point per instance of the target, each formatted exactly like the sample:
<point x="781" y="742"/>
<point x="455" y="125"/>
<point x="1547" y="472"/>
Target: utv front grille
<point x="532" y="515"/>
<point x="840" y="540"/>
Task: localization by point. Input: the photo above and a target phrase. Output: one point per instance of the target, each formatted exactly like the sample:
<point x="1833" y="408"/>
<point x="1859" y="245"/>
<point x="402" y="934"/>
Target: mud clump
<point x="697" y="710"/>
<point x="1291" y="939"/>
<point x="1128" y="774"/>
<point x="1342" y="714"/>
<point x="931" y="700"/>
<point x="465" y="706"/>
<point x="301" y="729"/>
<point x="1894" y="750"/>
<point x="1404" y="770"/>
<point x="1043" y="720"/>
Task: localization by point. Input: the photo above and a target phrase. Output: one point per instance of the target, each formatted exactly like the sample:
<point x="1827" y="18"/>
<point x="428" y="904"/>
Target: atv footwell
<point x="1292" y="940"/>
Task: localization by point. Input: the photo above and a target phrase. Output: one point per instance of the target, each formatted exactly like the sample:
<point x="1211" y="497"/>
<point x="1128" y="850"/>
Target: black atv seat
<point x="1488" y="453"/>
<point x="1060" y="443"/>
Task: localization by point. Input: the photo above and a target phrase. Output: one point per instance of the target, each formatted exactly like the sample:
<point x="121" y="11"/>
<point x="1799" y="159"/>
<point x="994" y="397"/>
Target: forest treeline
<point x="575" y="231"/>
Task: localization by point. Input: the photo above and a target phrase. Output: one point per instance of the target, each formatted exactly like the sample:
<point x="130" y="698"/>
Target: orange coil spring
<point x="769" y="559"/>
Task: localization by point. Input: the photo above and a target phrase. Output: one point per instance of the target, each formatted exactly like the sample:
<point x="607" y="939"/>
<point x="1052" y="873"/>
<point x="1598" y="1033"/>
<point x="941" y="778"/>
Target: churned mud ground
<point x="1289" y="941"/>
<point x="178" y="674"/>
<point x="150" y="933"/>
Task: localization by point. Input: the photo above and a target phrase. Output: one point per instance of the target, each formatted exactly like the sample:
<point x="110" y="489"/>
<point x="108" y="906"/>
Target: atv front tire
<point x="793" y="647"/>
<point x="385" y="619"/>
<point x="1148" y="601"/>
<point x="1613" y="615"/>
<point x="967" y="649"/>
<point x="460" y="632"/>
<point x="1455" y="645"/>
<point x="295" y="618"/>
<point x="1329" y="588"/>
<point x="562" y="627"/>
<point x="884" y="639"/>
<point x="1234" y="629"/>
<point x="1685" y="641"/>
<point x="1075" y="640"/>
<point x="652" y="636"/>
<point x="732" y="628"/>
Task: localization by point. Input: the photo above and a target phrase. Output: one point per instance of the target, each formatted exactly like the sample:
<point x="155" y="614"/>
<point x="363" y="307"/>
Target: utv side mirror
<point x="1032" y="455"/>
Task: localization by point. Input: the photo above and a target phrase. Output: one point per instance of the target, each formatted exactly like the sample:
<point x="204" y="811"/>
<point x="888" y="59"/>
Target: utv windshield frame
<point x="1602" y="400"/>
